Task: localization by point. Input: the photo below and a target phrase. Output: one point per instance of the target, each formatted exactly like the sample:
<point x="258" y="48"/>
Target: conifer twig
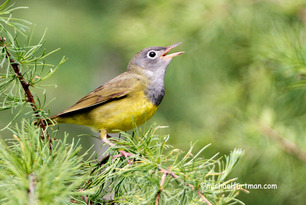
<point x="289" y="147"/>
<point x="31" y="190"/>
<point x="168" y="172"/>
<point x="103" y="161"/>
<point x="29" y="95"/>
<point x="161" y="188"/>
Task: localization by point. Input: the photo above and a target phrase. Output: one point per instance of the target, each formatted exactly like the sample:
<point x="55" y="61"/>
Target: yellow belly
<point x="122" y="114"/>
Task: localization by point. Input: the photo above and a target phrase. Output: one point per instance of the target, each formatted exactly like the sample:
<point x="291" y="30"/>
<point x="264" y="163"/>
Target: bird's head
<point x="153" y="59"/>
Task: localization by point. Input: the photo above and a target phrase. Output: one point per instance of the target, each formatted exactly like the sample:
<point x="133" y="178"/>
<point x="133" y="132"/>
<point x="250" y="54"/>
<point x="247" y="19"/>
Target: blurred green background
<point x="240" y="84"/>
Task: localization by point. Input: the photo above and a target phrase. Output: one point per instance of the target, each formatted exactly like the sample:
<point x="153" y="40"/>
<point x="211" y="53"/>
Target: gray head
<point x="153" y="62"/>
<point x="154" y="59"/>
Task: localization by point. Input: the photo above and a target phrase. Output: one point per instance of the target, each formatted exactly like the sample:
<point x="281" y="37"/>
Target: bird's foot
<point x="104" y="137"/>
<point x="107" y="141"/>
<point x="124" y="154"/>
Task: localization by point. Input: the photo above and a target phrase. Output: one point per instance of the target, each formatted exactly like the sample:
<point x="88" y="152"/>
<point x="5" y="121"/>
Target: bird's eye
<point x="151" y="54"/>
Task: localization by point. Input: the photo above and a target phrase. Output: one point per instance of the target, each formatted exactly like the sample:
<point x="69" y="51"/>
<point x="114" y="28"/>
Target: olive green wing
<point x="115" y="89"/>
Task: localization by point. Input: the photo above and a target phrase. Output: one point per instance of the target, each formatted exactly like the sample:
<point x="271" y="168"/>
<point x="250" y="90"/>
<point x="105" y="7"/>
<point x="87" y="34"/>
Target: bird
<point x="126" y="101"/>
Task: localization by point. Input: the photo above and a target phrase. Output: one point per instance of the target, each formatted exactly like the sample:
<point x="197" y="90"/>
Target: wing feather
<point x="115" y="89"/>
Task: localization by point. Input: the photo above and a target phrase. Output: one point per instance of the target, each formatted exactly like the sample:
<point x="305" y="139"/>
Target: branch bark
<point x="31" y="190"/>
<point x="286" y="145"/>
<point x="160" y="188"/>
<point x="168" y="172"/>
<point x="29" y="97"/>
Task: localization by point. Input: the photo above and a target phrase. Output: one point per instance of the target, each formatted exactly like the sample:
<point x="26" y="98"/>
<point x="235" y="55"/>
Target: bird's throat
<point x="155" y="90"/>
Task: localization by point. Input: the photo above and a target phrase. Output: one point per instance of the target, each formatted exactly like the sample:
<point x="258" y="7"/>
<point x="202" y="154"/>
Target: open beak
<point x="164" y="55"/>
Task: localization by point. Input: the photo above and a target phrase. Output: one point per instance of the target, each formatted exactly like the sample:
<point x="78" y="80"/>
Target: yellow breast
<point x="122" y="114"/>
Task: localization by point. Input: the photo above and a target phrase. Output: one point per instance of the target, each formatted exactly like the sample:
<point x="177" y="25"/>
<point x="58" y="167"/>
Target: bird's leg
<point x="133" y="133"/>
<point x="104" y="136"/>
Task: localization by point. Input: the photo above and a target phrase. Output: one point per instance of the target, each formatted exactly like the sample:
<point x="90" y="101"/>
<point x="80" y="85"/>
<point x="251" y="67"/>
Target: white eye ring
<point x="152" y="54"/>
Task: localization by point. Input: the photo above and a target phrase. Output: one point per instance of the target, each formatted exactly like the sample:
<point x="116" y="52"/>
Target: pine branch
<point x="161" y="188"/>
<point x="29" y="96"/>
<point x="134" y="179"/>
<point x="31" y="190"/>
<point x="32" y="174"/>
<point x="168" y="172"/>
<point x="15" y="57"/>
<point x="289" y="147"/>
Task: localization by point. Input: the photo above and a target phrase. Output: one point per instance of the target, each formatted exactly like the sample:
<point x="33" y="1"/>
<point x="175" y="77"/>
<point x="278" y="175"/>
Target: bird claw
<point x="123" y="154"/>
<point x="104" y="137"/>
